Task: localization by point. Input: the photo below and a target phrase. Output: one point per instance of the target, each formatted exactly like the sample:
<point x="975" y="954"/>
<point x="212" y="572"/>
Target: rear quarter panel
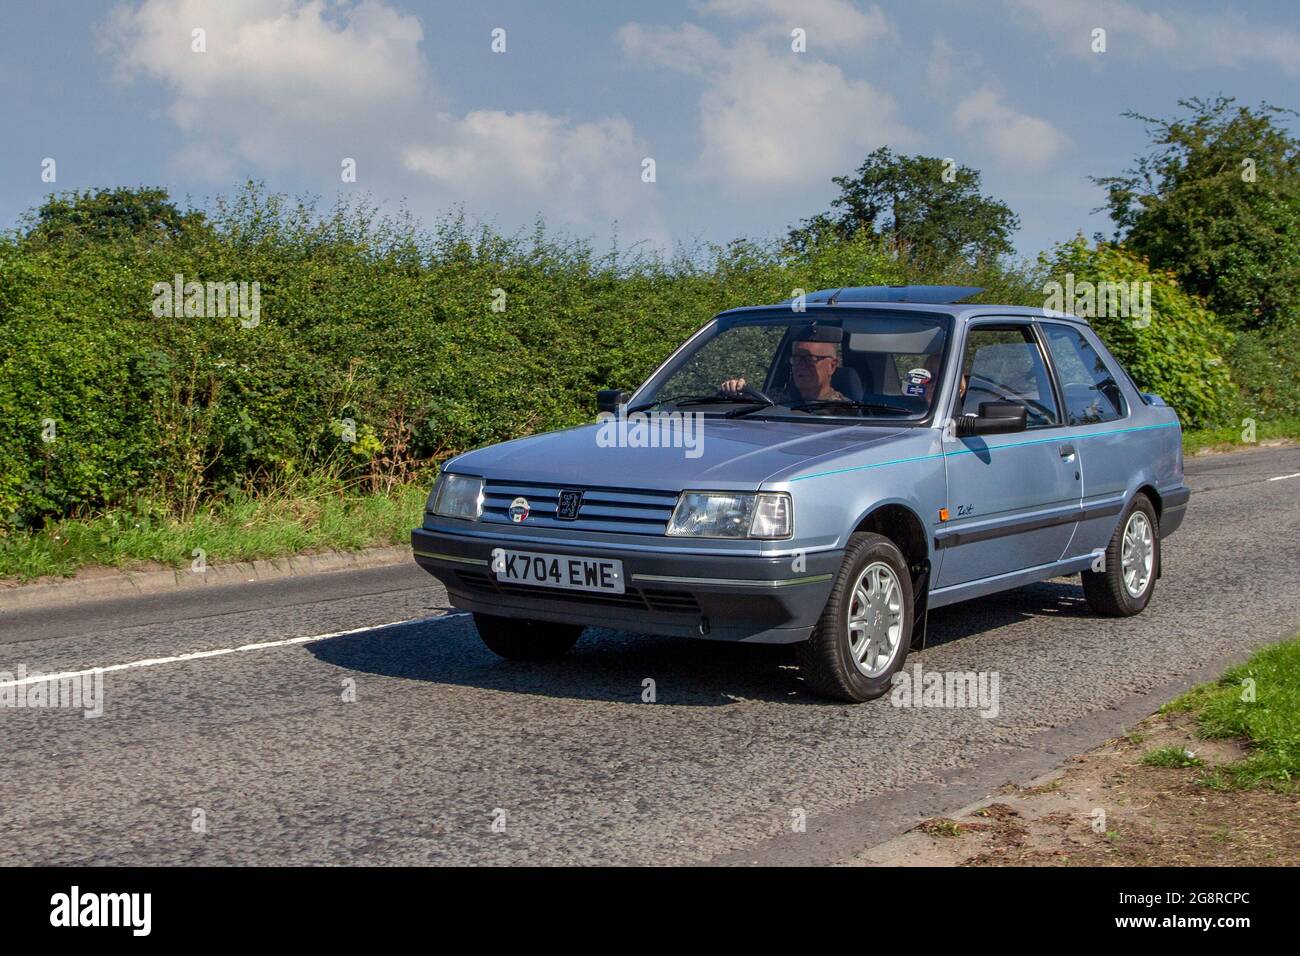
<point x="1119" y="458"/>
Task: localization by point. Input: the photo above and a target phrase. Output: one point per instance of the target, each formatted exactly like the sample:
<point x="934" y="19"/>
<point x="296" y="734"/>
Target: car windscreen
<point x="876" y="364"/>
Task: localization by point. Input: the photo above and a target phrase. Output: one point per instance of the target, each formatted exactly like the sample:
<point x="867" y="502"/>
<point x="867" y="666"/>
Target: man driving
<point x="814" y="359"/>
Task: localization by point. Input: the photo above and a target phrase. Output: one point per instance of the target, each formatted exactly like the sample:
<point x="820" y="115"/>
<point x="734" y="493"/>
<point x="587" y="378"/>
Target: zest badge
<point x="568" y="505"/>
<point x="519" y="510"/>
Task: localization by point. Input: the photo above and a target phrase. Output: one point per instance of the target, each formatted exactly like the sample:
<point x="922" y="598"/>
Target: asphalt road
<point x="443" y="739"/>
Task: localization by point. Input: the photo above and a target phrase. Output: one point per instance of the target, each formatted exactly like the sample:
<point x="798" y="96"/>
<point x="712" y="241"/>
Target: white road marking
<point x="1284" y="477"/>
<point x="219" y="652"/>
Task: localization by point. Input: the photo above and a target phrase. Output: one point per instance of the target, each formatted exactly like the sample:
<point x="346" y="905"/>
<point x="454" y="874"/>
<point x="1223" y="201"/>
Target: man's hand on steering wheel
<point x="739" y="388"/>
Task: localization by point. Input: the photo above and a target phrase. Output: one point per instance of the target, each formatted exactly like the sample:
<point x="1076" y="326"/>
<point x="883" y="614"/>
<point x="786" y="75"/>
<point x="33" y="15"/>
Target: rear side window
<point x="1090" y="391"/>
<point x="1003" y="364"/>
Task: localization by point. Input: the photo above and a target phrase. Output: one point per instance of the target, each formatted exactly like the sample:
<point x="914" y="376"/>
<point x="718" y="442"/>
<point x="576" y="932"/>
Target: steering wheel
<point x="749" y="391"/>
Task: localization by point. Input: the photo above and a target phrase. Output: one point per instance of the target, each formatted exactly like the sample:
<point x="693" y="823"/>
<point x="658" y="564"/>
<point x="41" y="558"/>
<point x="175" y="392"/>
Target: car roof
<point x="961" y="311"/>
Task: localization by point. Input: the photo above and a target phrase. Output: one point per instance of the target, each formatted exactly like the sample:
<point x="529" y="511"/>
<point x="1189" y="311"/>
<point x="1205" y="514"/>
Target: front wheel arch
<point x="827" y="658"/>
<point x="903" y="526"/>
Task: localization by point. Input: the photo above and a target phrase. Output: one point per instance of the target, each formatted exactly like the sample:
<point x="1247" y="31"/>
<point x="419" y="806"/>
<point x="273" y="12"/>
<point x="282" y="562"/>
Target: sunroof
<point x="930" y="294"/>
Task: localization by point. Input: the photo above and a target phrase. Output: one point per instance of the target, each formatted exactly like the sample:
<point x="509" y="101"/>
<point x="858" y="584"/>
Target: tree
<point x="926" y="205"/>
<point x="1217" y="200"/>
<point x="110" y="214"/>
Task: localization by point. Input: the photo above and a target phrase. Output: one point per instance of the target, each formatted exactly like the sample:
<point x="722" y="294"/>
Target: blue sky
<point x="745" y="133"/>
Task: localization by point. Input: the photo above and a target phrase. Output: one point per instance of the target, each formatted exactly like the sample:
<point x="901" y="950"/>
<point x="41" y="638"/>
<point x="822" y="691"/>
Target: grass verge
<point x="1257" y="702"/>
<point x="1230" y="437"/>
<point x="322" y="518"/>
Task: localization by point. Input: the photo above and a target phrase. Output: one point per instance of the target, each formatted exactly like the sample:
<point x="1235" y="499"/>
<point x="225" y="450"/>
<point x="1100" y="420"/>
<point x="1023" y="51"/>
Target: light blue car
<point x="820" y="472"/>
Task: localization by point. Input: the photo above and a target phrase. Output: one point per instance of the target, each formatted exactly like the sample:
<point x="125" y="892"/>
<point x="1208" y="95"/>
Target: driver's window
<point x="1003" y="364"/>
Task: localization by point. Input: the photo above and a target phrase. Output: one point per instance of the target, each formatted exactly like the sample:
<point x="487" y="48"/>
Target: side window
<point x="1089" y="390"/>
<point x="1003" y="364"/>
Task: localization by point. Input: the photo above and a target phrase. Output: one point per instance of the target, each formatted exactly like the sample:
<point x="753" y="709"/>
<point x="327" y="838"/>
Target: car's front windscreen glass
<point x="879" y="365"/>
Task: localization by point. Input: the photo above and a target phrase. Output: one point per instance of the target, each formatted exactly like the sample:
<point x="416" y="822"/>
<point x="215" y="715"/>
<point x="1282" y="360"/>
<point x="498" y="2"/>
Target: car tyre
<point x="517" y="639"/>
<point x="833" y="661"/>
<point x="1132" y="564"/>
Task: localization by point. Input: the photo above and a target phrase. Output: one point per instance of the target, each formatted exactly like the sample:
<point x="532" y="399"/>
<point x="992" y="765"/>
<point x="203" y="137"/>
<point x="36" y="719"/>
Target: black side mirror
<point x="609" y="399"/>
<point x="995" y="418"/>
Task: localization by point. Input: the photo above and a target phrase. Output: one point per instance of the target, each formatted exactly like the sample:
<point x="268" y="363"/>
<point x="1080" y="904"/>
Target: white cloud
<point x="769" y="119"/>
<point x="1018" y="140"/>
<point x="941" y="69"/>
<point x="301" y="84"/>
<point x="686" y="48"/>
<point x="1071" y="23"/>
<point x="1228" y="40"/>
<point x="275" y="72"/>
<point x="831" y="24"/>
<point x="1184" y="38"/>
<point x="544" y="161"/>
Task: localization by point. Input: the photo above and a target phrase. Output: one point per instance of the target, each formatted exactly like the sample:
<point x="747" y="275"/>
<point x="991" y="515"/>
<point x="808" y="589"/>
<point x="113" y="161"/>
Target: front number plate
<point x="559" y="571"/>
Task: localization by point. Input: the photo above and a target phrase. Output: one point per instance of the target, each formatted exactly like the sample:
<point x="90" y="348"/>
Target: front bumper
<point x="729" y="598"/>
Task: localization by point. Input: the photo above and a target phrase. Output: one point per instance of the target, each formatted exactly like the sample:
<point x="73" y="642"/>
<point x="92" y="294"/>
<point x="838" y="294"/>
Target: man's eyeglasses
<point x="810" y="360"/>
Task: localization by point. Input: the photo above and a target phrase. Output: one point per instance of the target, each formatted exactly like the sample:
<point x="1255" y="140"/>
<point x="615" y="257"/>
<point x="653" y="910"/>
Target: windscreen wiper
<point x="848" y="403"/>
<point x="758" y="406"/>
<point x="698" y="400"/>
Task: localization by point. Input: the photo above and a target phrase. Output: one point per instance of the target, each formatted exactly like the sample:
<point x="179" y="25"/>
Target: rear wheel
<point x="1125" y="584"/>
<point x="517" y="639"/>
<point x="863" y="635"/>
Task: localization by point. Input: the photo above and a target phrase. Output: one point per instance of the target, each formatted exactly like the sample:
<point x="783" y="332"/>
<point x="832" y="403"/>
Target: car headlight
<point x="707" y="514"/>
<point x="456" y="496"/>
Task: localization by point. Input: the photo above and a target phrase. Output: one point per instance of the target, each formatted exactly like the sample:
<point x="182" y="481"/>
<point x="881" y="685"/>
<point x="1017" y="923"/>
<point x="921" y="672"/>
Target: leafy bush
<point x="1266" y="366"/>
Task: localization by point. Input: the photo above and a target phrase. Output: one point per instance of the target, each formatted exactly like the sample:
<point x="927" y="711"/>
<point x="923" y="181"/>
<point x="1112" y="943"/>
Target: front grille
<point x="640" y="599"/>
<point x="618" y="510"/>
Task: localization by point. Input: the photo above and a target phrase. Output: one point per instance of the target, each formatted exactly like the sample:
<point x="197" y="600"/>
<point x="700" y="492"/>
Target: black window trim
<point x="1009" y="322"/>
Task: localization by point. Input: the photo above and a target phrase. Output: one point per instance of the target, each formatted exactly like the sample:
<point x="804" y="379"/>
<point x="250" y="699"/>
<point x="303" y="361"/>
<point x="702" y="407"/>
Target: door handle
<point x="1067" y="451"/>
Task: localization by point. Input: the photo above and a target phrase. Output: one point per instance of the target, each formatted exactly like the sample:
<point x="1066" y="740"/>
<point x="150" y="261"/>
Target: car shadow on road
<point x="1048" y="599"/>
<point x="614" y="666"/>
<point x="604" y="666"/>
